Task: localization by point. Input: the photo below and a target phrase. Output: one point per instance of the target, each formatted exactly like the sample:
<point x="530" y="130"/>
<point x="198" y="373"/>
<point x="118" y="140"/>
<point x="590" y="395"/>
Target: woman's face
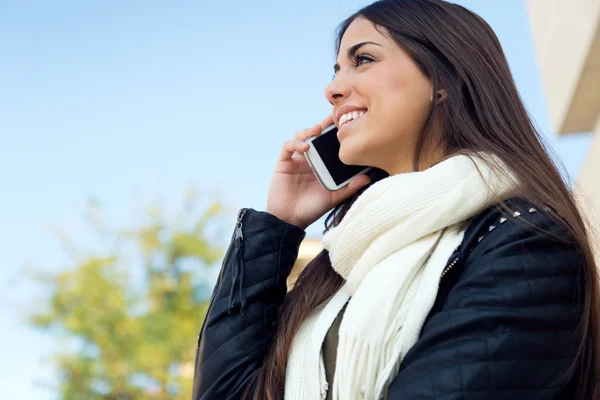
<point x="379" y="80"/>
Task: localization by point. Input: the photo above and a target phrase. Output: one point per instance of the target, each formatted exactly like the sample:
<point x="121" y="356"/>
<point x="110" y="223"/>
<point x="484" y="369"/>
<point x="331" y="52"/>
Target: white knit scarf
<point x="391" y="248"/>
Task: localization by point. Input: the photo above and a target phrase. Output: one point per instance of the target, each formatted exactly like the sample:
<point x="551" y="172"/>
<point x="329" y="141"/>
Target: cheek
<point x="407" y="101"/>
<point x="398" y="102"/>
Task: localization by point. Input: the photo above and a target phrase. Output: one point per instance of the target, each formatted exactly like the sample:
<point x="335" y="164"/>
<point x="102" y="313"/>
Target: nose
<point x="337" y="90"/>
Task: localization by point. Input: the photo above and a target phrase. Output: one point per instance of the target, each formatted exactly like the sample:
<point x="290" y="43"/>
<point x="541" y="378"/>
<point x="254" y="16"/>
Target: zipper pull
<point x="237" y="279"/>
<point x="238" y="232"/>
<point x="238" y="228"/>
<point x="237" y="283"/>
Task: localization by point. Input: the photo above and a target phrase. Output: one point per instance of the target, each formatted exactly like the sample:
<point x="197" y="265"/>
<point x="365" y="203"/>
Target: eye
<point x="358" y="60"/>
<point x="362" y="58"/>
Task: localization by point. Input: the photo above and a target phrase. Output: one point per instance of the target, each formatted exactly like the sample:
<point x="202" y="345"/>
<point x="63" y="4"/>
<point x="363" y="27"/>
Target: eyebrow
<point x="351" y="52"/>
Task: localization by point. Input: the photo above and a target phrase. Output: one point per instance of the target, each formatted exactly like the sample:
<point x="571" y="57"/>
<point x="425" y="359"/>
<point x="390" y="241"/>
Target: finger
<point x="315" y="130"/>
<point x="290" y="147"/>
<point x="306" y="133"/>
<point x="327" y="122"/>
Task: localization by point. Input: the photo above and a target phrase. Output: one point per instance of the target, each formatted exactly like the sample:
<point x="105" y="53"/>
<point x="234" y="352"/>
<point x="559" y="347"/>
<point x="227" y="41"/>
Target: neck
<point x="427" y="159"/>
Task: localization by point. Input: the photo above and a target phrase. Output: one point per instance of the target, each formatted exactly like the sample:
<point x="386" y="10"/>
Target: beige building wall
<point x="566" y="34"/>
<point x="309" y="248"/>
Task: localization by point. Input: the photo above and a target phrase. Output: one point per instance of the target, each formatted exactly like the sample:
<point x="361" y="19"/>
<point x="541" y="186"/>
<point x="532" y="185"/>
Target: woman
<point x="458" y="268"/>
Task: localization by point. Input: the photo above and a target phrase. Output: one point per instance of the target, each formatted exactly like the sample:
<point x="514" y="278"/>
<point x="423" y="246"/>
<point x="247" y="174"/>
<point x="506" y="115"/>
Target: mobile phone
<point x="323" y="158"/>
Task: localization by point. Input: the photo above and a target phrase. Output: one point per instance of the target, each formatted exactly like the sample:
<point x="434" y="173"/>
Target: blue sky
<point x="132" y="102"/>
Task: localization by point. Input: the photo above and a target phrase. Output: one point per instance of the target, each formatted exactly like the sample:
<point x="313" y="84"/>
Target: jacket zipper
<point x="449" y="267"/>
<point x="237" y="235"/>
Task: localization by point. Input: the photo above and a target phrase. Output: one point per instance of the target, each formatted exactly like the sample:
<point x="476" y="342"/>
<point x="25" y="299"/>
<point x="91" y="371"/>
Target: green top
<point x="330" y="350"/>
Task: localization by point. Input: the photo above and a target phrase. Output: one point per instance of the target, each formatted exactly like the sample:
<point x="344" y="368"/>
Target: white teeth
<point x="353" y="115"/>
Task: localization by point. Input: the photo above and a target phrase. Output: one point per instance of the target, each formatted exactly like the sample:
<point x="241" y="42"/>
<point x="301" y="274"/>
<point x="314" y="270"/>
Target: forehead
<point x="361" y="30"/>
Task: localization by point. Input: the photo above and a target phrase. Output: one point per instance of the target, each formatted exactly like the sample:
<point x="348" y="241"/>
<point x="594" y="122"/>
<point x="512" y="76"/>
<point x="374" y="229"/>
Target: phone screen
<point x="328" y="147"/>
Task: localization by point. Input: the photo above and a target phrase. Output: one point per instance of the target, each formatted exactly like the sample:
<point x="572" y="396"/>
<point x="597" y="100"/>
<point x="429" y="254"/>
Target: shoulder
<point x="519" y="220"/>
<point x="510" y="306"/>
<point x="525" y="250"/>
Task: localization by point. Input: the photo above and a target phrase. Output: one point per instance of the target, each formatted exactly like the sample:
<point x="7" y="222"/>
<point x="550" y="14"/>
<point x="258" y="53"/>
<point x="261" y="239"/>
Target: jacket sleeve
<point x="507" y="327"/>
<point x="238" y="323"/>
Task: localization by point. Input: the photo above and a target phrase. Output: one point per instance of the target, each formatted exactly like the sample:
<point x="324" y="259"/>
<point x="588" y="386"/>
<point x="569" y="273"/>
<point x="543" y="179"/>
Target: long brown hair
<point x="460" y="53"/>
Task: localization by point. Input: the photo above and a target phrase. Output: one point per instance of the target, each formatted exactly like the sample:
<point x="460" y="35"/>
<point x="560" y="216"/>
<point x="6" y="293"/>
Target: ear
<point x="441" y="96"/>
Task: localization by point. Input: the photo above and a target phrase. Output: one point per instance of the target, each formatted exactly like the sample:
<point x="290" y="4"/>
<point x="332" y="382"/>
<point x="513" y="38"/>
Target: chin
<point x="350" y="156"/>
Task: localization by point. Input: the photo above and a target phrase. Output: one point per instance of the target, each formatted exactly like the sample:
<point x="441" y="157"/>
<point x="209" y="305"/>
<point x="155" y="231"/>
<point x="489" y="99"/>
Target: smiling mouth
<point x="351" y="117"/>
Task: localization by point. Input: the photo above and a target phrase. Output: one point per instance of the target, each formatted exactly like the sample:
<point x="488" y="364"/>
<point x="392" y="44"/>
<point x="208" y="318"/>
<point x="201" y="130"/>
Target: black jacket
<point x="503" y="325"/>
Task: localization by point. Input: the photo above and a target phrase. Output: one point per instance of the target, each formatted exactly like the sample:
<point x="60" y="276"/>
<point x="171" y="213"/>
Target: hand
<point x="296" y="195"/>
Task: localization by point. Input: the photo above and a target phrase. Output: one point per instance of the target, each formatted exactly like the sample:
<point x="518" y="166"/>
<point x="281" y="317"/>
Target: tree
<point x="130" y="316"/>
